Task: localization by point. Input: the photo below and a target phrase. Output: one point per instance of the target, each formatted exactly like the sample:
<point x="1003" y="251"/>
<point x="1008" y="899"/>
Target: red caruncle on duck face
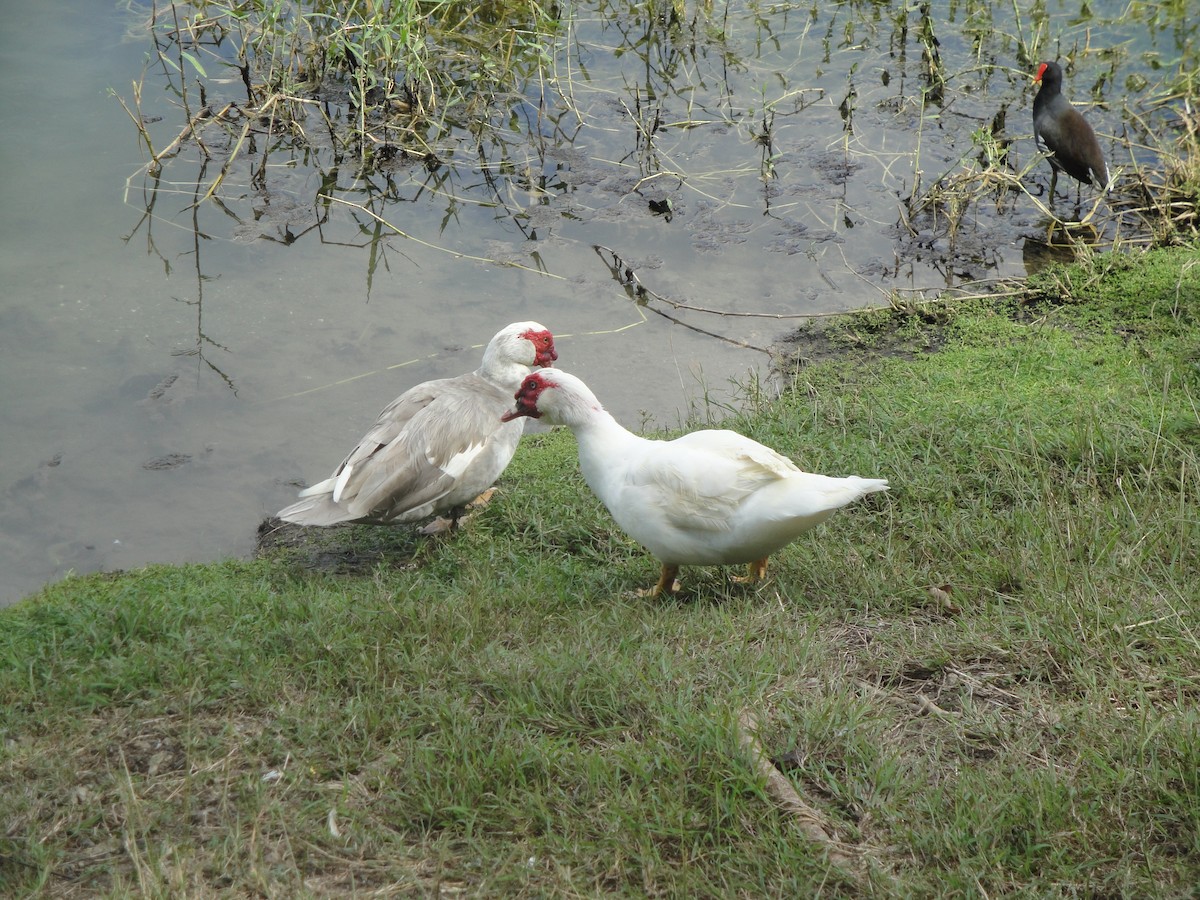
<point x="543" y="347"/>
<point x="527" y="398"/>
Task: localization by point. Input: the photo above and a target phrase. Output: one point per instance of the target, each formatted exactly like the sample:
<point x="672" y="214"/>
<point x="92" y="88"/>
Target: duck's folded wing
<point x="392" y="422"/>
<point x="700" y="485"/>
<point x="737" y="446"/>
<point x="422" y="461"/>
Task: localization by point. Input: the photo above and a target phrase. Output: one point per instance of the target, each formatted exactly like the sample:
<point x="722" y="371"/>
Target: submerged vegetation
<point x="498" y="87"/>
<point x="986" y="685"/>
<point x="375" y="78"/>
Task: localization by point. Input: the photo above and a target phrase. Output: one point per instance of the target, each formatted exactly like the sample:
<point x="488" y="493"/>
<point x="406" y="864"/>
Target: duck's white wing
<point x="699" y="481"/>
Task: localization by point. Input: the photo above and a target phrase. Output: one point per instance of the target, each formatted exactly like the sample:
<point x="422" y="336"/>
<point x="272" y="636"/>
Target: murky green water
<point x="171" y="368"/>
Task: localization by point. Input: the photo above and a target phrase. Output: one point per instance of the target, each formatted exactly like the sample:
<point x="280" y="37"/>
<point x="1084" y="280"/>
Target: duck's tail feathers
<point x="868" y="485"/>
<point x="316" y="509"/>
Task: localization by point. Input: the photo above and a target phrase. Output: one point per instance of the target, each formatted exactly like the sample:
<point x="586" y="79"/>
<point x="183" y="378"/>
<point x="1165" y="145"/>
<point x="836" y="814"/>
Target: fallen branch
<point x="785" y="794"/>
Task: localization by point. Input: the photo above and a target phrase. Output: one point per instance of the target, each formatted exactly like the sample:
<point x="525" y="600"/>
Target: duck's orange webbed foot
<point x="666" y="583"/>
<point x="462" y="516"/>
<point x="755" y="572"/>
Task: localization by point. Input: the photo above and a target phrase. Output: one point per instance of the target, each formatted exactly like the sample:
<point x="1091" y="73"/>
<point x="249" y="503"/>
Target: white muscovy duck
<point x="707" y="498"/>
<point x="436" y="447"/>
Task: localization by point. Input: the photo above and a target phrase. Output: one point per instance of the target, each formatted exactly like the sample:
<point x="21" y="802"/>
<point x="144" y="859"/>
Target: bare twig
<point x="455" y="253"/>
<point x="785" y="794"/>
<point x="203" y="115"/>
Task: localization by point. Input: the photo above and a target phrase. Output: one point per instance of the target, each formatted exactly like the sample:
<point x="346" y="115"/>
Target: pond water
<point x="670" y="197"/>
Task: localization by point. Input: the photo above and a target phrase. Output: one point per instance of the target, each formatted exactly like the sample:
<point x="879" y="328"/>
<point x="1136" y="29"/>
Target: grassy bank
<point x="983" y="684"/>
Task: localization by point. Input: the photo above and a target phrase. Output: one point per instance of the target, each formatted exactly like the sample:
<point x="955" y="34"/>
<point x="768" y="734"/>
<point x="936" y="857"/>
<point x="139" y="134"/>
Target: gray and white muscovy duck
<point x="437" y="447"/>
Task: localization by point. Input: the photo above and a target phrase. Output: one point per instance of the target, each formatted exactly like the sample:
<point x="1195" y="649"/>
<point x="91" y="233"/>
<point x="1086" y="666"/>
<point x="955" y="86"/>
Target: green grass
<point x="502" y="715"/>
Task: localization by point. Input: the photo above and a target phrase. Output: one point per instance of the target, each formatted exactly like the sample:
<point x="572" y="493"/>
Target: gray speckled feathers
<point x="435" y="447"/>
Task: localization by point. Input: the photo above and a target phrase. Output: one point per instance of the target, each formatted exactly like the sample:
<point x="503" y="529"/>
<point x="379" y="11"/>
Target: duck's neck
<point x="505" y="375"/>
<point x="603" y="444"/>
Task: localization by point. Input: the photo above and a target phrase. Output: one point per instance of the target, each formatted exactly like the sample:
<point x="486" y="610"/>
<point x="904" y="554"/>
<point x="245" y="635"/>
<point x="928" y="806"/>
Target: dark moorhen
<point x="1064" y="132"/>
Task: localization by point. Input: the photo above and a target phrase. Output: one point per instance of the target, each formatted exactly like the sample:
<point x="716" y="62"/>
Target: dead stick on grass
<point x="785" y="794"/>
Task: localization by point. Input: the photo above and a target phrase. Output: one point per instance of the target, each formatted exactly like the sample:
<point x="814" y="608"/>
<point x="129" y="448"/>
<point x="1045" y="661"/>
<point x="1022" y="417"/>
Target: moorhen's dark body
<point x="1064" y="132"/>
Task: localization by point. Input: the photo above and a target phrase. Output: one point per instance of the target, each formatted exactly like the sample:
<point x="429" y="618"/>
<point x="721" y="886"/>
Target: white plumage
<point x="707" y="498"/>
<point x="436" y="447"/>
